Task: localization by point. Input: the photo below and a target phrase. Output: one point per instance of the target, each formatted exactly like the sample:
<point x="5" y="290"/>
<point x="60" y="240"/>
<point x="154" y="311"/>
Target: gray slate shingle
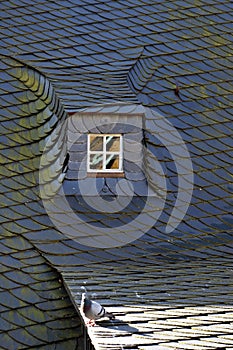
<point x="107" y="52"/>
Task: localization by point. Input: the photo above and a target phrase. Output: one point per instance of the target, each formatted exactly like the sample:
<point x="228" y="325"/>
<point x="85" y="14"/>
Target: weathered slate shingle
<point x="98" y="53"/>
<point x="33" y="300"/>
<point x="165" y="305"/>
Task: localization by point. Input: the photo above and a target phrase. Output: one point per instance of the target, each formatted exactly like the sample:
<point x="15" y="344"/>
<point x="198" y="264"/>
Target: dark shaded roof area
<point x="86" y="44"/>
<point x="35" y="309"/>
<point x="136" y="53"/>
<point x="65" y="56"/>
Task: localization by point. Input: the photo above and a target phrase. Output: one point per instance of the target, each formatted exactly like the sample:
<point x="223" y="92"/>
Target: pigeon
<point x="93" y="310"/>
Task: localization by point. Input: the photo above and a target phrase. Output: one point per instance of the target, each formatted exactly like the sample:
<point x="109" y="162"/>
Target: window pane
<point x="112" y="161"/>
<point x="112" y="143"/>
<point x="96" y="161"/>
<point x="96" y="143"/>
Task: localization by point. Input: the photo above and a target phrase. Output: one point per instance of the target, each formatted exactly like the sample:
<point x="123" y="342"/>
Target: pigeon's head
<point x="84" y="296"/>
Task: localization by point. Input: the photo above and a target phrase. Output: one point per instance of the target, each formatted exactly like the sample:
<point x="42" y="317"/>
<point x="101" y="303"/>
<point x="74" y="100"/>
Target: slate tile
<point x="17" y="243"/>
<point x="7" y="342"/>
<point x="60" y="325"/>
<point x="22" y="336"/>
<point x="51" y="305"/>
<point x="10" y="262"/>
<point x="45" y="276"/>
<point x="33" y="314"/>
<point x="15" y="319"/>
<point x="174" y="17"/>
<point x="26" y="255"/>
<point x="8" y="300"/>
<point x="19" y="277"/>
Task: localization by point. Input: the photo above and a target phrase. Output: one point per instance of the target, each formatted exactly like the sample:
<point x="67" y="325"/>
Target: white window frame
<point x="104" y="153"/>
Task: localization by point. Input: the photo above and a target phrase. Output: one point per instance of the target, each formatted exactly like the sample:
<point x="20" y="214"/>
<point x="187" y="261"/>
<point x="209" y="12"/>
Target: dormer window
<point x="105" y="154"/>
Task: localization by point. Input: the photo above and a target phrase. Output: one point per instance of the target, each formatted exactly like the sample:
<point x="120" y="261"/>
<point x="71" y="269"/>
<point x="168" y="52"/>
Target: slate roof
<point x="97" y="53"/>
<point x="35" y="309"/>
<point x="160" y="306"/>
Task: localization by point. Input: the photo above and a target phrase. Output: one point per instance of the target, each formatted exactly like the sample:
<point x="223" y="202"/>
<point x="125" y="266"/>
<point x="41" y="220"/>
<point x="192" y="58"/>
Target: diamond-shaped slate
<point x="93" y="53"/>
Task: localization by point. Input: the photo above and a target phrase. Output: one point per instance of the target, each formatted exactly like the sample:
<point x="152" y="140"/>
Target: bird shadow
<point x="117" y="325"/>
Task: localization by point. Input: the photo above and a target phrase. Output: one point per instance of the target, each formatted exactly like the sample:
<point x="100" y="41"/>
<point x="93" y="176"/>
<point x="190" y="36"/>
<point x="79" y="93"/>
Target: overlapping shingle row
<point x="110" y="52"/>
<point x="35" y="308"/>
<point x="165" y="305"/>
<point x="75" y="44"/>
